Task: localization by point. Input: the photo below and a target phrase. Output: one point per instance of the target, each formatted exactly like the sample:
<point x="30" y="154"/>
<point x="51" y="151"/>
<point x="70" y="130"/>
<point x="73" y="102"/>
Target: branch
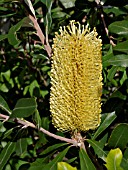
<point x="105" y="26"/>
<point x="41" y="35"/>
<point x="29" y="124"/>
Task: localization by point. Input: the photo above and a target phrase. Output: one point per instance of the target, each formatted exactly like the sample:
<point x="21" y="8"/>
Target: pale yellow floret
<point x="76" y="80"/>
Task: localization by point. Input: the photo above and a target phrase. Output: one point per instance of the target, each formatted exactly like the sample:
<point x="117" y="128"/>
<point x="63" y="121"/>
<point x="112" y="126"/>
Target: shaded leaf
<point x="12" y="37"/>
<point x="85" y="161"/>
<point x="53" y="164"/>
<point x="114" y="159"/>
<point x="6" y="153"/>
<point x="107" y="121"/>
<point x="122" y="47"/>
<point x="111" y="73"/>
<point x="4" y="105"/>
<point x="117" y="60"/>
<point x="24" y="108"/>
<point x="97" y="148"/>
<point x="38" y="164"/>
<point x="64" y="166"/>
<point x="119" y="27"/>
<point x="124" y="164"/>
<point x="119" y="137"/>
<point x="52" y="148"/>
<point x="2" y="37"/>
<point x="21" y="146"/>
<point x="119" y="95"/>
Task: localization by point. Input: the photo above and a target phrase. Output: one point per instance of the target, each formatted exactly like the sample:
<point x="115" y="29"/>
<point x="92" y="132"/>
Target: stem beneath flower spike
<point x="26" y="123"/>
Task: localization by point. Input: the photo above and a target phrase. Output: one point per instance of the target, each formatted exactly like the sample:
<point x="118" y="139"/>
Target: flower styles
<point x="76" y="78"/>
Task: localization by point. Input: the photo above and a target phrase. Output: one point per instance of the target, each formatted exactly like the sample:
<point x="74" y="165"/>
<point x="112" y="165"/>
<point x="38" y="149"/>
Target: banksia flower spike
<point x="75" y="98"/>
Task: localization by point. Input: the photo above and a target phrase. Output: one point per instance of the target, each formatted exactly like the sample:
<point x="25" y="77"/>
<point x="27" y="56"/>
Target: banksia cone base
<point x="75" y="98"/>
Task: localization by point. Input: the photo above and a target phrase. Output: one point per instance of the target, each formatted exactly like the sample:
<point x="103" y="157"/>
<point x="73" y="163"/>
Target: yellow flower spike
<point x="76" y="79"/>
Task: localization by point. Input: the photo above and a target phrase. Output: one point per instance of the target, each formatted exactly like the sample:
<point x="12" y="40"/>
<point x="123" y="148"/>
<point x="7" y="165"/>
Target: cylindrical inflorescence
<point x="76" y="79"/>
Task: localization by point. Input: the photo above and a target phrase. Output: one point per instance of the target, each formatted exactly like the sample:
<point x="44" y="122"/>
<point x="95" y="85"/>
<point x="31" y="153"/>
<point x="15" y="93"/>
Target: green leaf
<point x="24" y="108"/>
<point x="119" y="27"/>
<point x="32" y="86"/>
<point x="52" y="148"/>
<point x="117" y="60"/>
<point x="21" y="146"/>
<point x="111" y="73"/>
<point x="38" y="164"/>
<point x="37" y="119"/>
<point x="119" y="95"/>
<point x="4" y="106"/>
<point x="2" y="37"/>
<point x="124" y="164"/>
<point x="64" y="166"/>
<point x="119" y="137"/>
<point x="8" y="132"/>
<point x="85" y="161"/>
<point x="67" y="3"/>
<point x="12" y="38"/>
<point x="122" y="47"/>
<point x="6" y="153"/>
<point x="107" y="121"/>
<point x="114" y="159"/>
<point x="97" y="146"/>
<point x="53" y="164"/>
<point x="124" y="77"/>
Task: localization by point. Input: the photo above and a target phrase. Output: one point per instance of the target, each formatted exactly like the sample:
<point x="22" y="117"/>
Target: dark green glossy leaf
<point x="53" y="164"/>
<point x="119" y="95"/>
<point x="114" y="159"/>
<point x="4" y="106"/>
<point x="124" y="77"/>
<point x="106" y="58"/>
<point x="115" y="10"/>
<point x="119" y="137"/>
<point x="12" y="37"/>
<point x="124" y="164"/>
<point x="24" y="108"/>
<point x="52" y="148"/>
<point x="112" y="72"/>
<point x="6" y="153"/>
<point x="119" y="27"/>
<point x="97" y="146"/>
<point x="117" y="60"/>
<point x="85" y="161"/>
<point x="21" y="146"/>
<point x="38" y="164"/>
<point x="64" y="166"/>
<point x="122" y="47"/>
<point x="107" y="121"/>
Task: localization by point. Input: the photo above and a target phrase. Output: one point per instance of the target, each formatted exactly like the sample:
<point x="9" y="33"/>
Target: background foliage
<point x="25" y="86"/>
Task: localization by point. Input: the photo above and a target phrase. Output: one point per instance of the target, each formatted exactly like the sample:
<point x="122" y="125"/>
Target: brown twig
<point x="41" y="35"/>
<point x="29" y="124"/>
<point x="105" y="26"/>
